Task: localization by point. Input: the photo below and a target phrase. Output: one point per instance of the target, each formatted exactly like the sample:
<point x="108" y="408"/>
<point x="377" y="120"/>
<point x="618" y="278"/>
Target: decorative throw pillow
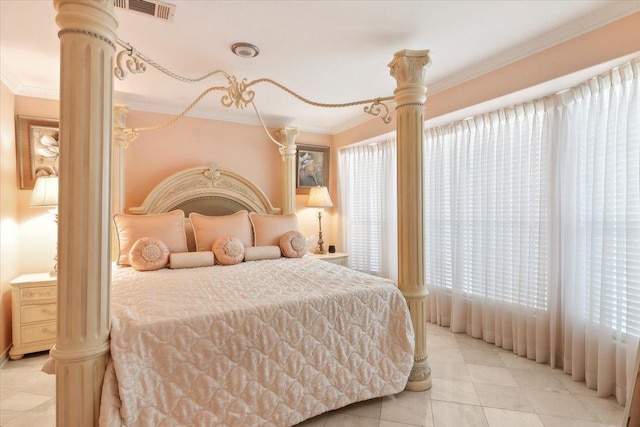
<point x="293" y="244"/>
<point x="148" y="254"/>
<point x="267" y="229"/>
<point x="208" y="228"/>
<point x="190" y="259"/>
<point x="256" y="253"/>
<point x="228" y="250"/>
<point x="168" y="227"/>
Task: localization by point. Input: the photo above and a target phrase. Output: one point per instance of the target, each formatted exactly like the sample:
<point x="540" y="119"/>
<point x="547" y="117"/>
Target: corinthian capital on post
<point x="287" y="136"/>
<point x="408" y="68"/>
<point x="87" y="47"/>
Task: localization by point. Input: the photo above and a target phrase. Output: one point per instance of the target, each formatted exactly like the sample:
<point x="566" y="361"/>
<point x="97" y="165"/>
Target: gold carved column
<point x="408" y="68"/>
<point x="87" y="46"/>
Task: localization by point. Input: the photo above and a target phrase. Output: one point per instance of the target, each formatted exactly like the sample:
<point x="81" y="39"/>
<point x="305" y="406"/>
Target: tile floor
<point x="475" y="384"/>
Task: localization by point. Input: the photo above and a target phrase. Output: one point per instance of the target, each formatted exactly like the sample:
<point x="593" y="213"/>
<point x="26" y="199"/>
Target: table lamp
<point x="45" y="195"/>
<point x="319" y="198"/>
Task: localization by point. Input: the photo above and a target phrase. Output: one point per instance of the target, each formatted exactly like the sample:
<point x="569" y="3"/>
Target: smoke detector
<point x="157" y="9"/>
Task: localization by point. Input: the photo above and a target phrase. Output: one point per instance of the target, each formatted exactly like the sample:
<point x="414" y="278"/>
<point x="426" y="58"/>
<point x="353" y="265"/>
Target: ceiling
<point x="327" y="51"/>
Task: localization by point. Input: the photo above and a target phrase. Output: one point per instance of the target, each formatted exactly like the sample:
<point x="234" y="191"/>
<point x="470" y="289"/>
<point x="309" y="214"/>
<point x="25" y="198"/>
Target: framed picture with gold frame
<point x="312" y="167"/>
<point x="36" y="149"/>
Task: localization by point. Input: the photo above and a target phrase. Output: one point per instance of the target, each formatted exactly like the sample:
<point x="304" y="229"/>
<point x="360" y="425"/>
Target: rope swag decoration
<point x="237" y="93"/>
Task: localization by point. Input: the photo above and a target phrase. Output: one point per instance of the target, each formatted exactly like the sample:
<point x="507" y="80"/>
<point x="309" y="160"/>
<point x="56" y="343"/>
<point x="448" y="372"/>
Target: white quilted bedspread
<point x="259" y="343"/>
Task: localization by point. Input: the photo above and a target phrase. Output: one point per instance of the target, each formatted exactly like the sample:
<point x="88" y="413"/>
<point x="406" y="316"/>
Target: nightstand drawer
<point x="41" y="332"/>
<point x="33" y="318"/>
<point x="38" y="293"/>
<point x="37" y="313"/>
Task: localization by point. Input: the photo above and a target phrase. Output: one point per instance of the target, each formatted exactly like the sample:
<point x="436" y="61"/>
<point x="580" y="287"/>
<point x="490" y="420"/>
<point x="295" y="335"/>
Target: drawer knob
<point x="46" y="311"/>
<point x="47" y="331"/>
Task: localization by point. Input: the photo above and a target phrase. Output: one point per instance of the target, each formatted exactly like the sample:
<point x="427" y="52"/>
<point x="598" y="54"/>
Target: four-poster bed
<point x="257" y="343"/>
<point x="87" y="37"/>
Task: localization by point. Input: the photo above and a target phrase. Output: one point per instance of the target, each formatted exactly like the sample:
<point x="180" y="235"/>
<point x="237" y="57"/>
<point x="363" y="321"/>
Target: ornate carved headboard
<point x="205" y="190"/>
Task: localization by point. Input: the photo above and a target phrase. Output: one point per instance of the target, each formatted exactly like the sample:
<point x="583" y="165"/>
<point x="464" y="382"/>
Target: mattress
<point x="270" y="343"/>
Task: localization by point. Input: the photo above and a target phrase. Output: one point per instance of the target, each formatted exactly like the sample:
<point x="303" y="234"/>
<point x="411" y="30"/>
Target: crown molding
<point x="19" y="89"/>
<point x="9" y="79"/>
<point x="574" y="29"/>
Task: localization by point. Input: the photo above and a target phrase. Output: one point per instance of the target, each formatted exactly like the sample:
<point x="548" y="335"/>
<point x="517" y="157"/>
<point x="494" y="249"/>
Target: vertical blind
<point x="368" y="207"/>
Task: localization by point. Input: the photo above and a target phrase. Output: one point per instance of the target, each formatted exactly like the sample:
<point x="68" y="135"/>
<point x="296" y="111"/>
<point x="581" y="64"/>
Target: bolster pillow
<point x="190" y="259"/>
<point x="256" y="253"/>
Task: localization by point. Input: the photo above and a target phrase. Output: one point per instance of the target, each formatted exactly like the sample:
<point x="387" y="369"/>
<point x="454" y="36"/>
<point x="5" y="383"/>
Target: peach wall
<point x="8" y="214"/>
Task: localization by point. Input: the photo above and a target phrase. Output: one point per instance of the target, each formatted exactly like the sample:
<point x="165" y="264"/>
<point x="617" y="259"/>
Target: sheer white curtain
<point x="597" y="207"/>
<point x="532" y="228"/>
<point x="486" y="228"/>
<point x="368" y="207"/>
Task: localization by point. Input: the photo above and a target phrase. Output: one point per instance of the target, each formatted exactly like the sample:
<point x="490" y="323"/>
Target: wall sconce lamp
<point x="319" y="198"/>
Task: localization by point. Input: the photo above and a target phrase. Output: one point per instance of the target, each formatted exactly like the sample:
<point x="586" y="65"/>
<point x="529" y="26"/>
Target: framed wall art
<point x="36" y="149"/>
<point x="312" y="167"/>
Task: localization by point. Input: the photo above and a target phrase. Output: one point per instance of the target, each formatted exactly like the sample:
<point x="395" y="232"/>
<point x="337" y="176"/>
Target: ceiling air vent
<point x="155" y="8"/>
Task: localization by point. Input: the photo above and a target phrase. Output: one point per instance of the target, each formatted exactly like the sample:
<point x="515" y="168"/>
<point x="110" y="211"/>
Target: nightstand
<point x="33" y="304"/>
<point x="336" y="258"/>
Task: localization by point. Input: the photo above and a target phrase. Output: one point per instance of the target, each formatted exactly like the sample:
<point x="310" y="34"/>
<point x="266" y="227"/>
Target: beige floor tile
<point x="606" y="409"/>
<point x="449" y="370"/>
<point x="451" y="355"/>
<point x="467" y="342"/>
<point x="480" y="357"/>
<point x="433" y="329"/>
<point x="506" y="418"/>
<point x="531" y="379"/>
<point x="574" y="387"/>
<point x="491" y="375"/>
<point x="454" y="391"/>
<point x="41" y="416"/>
<point x="318" y="421"/>
<point x="551" y="421"/>
<point x="368" y="408"/>
<point x="344" y="420"/>
<point x="6" y="392"/>
<point x="18" y="404"/>
<point x="24" y="375"/>
<point x="384" y="423"/>
<point x="449" y="414"/>
<point x="441" y="341"/>
<point x="497" y="396"/>
<point x="558" y="404"/>
<point x="512" y="360"/>
<point x="408" y="408"/>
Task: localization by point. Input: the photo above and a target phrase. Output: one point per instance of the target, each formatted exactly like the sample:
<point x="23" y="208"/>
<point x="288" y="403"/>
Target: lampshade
<point x="45" y="192"/>
<point x="319" y="198"/>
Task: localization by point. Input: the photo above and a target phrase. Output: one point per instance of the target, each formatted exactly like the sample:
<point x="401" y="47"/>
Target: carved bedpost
<point x="287" y="136"/>
<point x="408" y="68"/>
<point x="87" y="46"/>
<point x="118" y="162"/>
